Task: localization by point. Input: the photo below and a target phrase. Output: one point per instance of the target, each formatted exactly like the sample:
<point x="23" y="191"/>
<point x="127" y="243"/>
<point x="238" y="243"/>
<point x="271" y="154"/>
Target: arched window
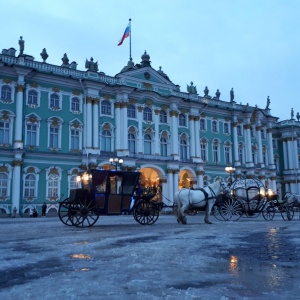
<point x="215" y="151"/>
<point x="6" y="92"/>
<point x="105" y="108"/>
<point x="147" y="144"/>
<point x="147" y="114"/>
<point x="226" y="128"/>
<point x="75" y="104"/>
<point x="227" y="154"/>
<point x="106" y="141"/>
<point x="163" y="116"/>
<point x="53" y="186"/>
<point x="30" y="186"/>
<point x="54" y="101"/>
<point x="33" y="97"/>
<point x="4" y="132"/>
<point x="131" y="111"/>
<point x="74" y="184"/>
<point x="131" y="143"/>
<point x="182" y="120"/>
<point x="214" y="126"/>
<point x="203" y="146"/>
<point x="31" y="134"/>
<point x="202" y="125"/>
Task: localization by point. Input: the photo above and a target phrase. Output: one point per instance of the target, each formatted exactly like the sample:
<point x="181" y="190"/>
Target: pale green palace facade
<point x="56" y="121"/>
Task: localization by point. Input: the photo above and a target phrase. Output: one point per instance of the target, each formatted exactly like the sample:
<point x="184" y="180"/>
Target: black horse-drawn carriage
<point x="106" y="192"/>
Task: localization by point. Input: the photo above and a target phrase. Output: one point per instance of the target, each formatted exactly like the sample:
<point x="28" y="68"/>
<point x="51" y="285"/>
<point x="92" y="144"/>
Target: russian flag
<point x="125" y="35"/>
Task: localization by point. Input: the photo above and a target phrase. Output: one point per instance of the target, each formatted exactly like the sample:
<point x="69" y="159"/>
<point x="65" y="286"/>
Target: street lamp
<point x="116" y="162"/>
<point x="230" y="170"/>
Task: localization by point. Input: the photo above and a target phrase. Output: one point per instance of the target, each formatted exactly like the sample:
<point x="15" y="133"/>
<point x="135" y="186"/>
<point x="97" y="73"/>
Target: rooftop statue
<point x="21" y="43"/>
<point x="191" y="88"/>
<point x="206" y="91"/>
<point x="231" y="95"/>
<point x="298" y="116"/>
<point x="218" y="94"/>
<point x="268" y="103"/>
<point x="44" y="55"/>
<point x="91" y="65"/>
<point x="292" y="114"/>
<point x="65" y="60"/>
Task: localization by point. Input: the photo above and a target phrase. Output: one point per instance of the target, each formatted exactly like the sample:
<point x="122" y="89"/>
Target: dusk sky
<point x="251" y="46"/>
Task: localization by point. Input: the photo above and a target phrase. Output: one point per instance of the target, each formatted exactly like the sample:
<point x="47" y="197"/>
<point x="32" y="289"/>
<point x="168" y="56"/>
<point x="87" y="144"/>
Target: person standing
<point x="44" y="208"/>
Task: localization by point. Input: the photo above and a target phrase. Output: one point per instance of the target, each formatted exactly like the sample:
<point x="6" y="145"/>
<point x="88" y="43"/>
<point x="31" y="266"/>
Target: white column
<point x="235" y="144"/>
<point x="197" y="136"/>
<point x="175" y="181"/>
<point x="270" y="148"/>
<point x="200" y="175"/>
<point x="89" y="119"/>
<point x="290" y="153"/>
<point x="118" y="126"/>
<point x="192" y="136"/>
<point x="285" y="155"/>
<point x="170" y="185"/>
<point x="165" y="196"/>
<point x="96" y="123"/>
<point x="156" y="128"/>
<point x="125" y="127"/>
<point x="174" y="133"/>
<point x="295" y="154"/>
<point x="16" y="179"/>
<point x="18" y="141"/>
<point x="259" y="144"/>
<point x="249" y="162"/>
<point x="140" y="130"/>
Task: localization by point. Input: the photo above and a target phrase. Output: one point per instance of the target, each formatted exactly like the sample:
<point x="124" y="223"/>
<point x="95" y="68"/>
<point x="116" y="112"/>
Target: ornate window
<point x="53" y="186"/>
<point x="105" y="108"/>
<point x="131" y="143"/>
<point x="147" y="114"/>
<point x="54" y="133"/>
<point x="239" y="130"/>
<point x="227" y="154"/>
<point x="6" y="127"/>
<point x="30" y="186"/>
<point x="6" y="93"/>
<point x="226" y="128"/>
<point x="214" y="126"/>
<point x="203" y="146"/>
<point x="32" y="130"/>
<point x="183" y="148"/>
<point x="163" y="117"/>
<point x="55" y="102"/>
<point x="147" y="144"/>
<point x="164" y="144"/>
<point x="106" y="141"/>
<point x="216" y="151"/>
<point x="74" y="184"/>
<point x="131" y="112"/>
<point x="32" y="98"/>
<point x="75" y="105"/>
<point x="3" y="185"/>
<point x="182" y="120"/>
<point x="202" y="125"/>
<point x="241" y="155"/>
<point x="75" y="135"/>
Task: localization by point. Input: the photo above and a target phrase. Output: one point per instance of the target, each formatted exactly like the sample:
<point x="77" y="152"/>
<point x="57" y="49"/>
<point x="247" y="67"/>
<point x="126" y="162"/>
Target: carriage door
<point x="115" y="195"/>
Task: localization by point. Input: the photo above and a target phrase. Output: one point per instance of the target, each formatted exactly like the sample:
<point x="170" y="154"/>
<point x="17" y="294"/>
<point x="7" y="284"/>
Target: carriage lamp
<point x="78" y="178"/>
<point x="269" y="193"/>
<point x="116" y="162"/>
<point x="230" y="170"/>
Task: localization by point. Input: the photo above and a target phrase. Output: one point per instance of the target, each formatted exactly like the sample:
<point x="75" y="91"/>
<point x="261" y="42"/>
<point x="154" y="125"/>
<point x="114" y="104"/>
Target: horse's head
<point x="222" y="185"/>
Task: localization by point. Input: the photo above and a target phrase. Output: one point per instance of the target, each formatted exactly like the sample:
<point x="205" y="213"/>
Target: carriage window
<point x="116" y="184"/>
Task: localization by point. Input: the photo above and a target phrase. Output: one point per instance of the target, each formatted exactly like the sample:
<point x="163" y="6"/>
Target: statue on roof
<point x="191" y="88"/>
<point x="65" y="60"/>
<point x="21" y="43"/>
<point x="298" y="116"/>
<point x="268" y="103"/>
<point x="44" y="55"/>
<point x="91" y="65"/>
<point x="218" y="94"/>
<point x="292" y="114"/>
<point x="231" y="95"/>
<point x="206" y="91"/>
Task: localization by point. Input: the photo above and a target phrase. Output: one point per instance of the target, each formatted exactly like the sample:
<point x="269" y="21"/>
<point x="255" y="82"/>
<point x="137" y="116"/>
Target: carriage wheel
<point x="146" y="212"/>
<point x="84" y="213"/>
<point x="287" y="212"/>
<point x="216" y="213"/>
<point x="63" y="212"/>
<point x="231" y="209"/>
<point x="269" y="212"/>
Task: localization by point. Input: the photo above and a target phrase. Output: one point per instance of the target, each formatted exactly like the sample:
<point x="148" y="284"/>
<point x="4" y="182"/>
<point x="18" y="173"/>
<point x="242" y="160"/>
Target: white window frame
<point x="74" y="111"/>
<point x="7" y="117"/>
<point x="55" y="108"/>
<point x="33" y="105"/>
<point x="51" y="124"/>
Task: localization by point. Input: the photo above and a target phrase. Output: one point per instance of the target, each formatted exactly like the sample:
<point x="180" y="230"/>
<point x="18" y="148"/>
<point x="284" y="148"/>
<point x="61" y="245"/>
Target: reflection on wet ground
<point x="262" y="263"/>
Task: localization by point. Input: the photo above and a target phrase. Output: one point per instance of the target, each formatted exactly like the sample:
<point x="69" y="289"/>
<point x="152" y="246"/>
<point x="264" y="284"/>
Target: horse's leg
<point x="209" y="205"/>
<point x="181" y="218"/>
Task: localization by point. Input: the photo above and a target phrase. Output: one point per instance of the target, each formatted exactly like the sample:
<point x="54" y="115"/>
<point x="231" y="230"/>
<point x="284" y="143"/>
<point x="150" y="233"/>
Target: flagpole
<point x="130" y="58"/>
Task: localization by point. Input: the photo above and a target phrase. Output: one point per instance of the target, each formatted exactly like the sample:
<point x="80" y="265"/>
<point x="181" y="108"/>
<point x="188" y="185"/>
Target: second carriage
<point x="247" y="197"/>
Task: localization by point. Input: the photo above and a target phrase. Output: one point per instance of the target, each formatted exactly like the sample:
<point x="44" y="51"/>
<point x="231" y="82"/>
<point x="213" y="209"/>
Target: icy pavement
<point x="119" y="259"/>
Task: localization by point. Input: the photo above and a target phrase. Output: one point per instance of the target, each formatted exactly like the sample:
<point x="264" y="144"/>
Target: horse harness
<point x="205" y="194"/>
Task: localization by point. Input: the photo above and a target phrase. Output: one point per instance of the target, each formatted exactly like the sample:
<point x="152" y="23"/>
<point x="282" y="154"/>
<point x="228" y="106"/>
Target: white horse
<point x="293" y="199"/>
<point x="205" y="197"/>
